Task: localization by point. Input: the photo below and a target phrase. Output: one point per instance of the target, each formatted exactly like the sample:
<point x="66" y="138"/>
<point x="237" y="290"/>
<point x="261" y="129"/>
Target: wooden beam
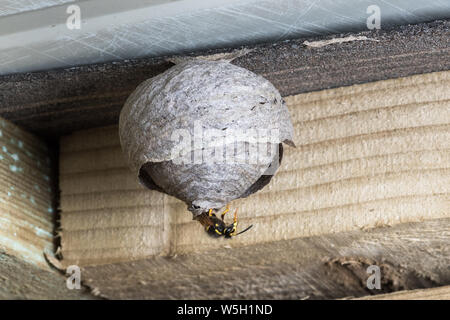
<point x="27" y="219"/>
<point x="20" y="279"/>
<point x="27" y="208"/>
<point x="411" y="255"/>
<point x="58" y="102"/>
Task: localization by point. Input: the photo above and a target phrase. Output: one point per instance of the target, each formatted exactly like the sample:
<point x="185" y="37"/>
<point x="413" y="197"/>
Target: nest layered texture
<point x="206" y="132"/>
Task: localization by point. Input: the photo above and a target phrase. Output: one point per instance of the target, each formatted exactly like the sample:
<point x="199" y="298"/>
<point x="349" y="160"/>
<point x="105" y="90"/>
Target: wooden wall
<point x="367" y="156"/>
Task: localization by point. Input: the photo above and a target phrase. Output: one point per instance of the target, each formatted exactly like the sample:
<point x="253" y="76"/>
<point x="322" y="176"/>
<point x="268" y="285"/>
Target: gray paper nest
<point x="230" y="108"/>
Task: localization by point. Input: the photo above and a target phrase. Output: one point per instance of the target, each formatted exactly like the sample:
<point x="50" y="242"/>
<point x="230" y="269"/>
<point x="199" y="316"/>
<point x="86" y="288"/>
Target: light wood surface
<point x="369" y="155"/>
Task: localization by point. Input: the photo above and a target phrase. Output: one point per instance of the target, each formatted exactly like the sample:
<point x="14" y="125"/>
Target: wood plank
<point x="410" y="256"/>
<point x="27" y="219"/>
<point x="58" y="102"/>
<point x="374" y="161"/>
<point x="21" y="280"/>
<point x="27" y="201"/>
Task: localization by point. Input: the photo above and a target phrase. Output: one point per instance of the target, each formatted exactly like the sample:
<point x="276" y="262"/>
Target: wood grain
<point x="368" y="155"/>
<point x="27" y="207"/>
<point x="21" y="280"/>
<point x="58" y="102"/>
<point x="410" y="256"/>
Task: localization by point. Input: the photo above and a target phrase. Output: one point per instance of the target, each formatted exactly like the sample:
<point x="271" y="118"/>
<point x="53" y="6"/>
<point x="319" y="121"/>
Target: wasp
<point x="216" y="227"/>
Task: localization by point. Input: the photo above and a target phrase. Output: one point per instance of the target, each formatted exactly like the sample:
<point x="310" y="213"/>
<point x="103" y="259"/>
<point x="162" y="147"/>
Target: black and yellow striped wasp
<point x="216" y="227"/>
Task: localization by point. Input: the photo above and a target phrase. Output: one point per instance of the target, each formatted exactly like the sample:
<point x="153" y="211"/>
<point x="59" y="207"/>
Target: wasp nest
<point x="206" y="132"/>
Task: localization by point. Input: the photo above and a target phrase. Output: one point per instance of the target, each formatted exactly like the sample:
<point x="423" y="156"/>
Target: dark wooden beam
<point x="56" y="102"/>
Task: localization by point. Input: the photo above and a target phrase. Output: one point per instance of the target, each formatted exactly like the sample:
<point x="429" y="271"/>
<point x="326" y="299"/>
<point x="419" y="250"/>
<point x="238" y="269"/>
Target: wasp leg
<point x="210" y="213"/>
<point x="226" y="210"/>
<point x="235" y="223"/>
